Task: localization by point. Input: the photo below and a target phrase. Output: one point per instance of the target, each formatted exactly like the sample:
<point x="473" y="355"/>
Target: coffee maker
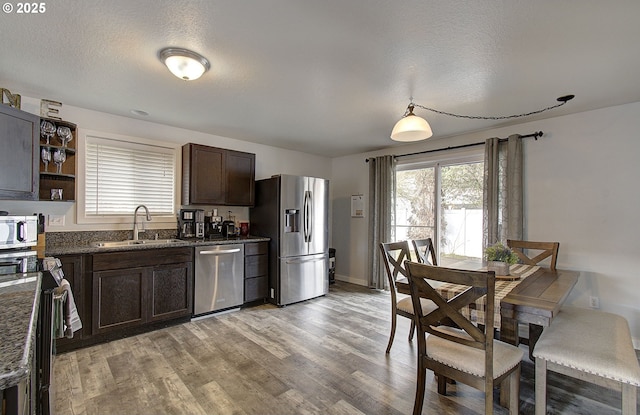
<point x="191" y="223"/>
<point x="213" y="225"/>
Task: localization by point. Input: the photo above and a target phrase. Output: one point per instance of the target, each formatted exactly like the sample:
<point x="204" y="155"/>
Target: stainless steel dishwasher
<point x="219" y="278"/>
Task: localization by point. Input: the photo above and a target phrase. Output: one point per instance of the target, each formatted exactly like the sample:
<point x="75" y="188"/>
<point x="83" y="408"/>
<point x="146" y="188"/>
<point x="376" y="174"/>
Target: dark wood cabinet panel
<point x="19" y="154"/>
<point x="256" y="248"/>
<point x="145" y="258"/>
<point x="255" y="266"/>
<point x="241" y="178"/>
<point x="172" y="287"/>
<point x="256" y="271"/>
<point x="119" y="299"/>
<point x="216" y="176"/>
<point x="255" y="289"/>
<point x="203" y="173"/>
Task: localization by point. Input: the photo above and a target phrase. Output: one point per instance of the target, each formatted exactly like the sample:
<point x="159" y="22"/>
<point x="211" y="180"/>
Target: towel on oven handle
<point x="71" y="318"/>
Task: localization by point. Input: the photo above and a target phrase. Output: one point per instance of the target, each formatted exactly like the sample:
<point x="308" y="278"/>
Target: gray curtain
<point x="382" y="178"/>
<point x="503" y="193"/>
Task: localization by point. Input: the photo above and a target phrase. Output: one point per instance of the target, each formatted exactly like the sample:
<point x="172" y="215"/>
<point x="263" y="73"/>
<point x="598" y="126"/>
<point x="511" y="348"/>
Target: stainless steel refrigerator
<point x="293" y="211"/>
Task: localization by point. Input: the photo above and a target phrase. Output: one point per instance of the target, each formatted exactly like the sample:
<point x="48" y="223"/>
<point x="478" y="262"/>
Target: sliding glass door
<point x="442" y="200"/>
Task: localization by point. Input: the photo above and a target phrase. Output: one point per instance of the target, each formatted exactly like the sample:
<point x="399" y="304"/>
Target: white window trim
<point x="81" y="148"/>
<point x="443" y="158"/>
<point x="438" y="159"/>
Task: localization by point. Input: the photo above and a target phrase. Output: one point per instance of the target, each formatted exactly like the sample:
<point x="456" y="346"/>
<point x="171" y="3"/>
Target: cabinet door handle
<point x="222" y="251"/>
<point x="21" y="231"/>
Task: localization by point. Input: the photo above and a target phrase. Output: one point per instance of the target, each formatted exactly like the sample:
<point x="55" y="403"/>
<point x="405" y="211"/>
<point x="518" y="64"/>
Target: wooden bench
<point x="590" y="345"/>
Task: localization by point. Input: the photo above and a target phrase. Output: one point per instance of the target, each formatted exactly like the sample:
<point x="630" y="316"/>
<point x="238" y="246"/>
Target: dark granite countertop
<point x="84" y="247"/>
<point x="19" y="306"/>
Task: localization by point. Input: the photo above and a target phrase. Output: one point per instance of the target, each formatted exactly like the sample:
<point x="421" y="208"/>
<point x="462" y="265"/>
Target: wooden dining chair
<point x="424" y="250"/>
<point x="548" y="249"/>
<point x="533" y="253"/>
<point x="467" y="354"/>
<point x="394" y="254"/>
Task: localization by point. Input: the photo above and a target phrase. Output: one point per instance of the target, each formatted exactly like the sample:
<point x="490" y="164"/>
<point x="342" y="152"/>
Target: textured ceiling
<point x="327" y="77"/>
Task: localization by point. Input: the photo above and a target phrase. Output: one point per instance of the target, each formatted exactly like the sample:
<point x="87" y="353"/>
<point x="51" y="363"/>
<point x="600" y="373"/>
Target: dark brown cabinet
<point x="240" y="178"/>
<point x="19" y="154"/>
<point x="256" y="271"/>
<point x="135" y="288"/>
<point x="216" y="176"/>
<point x="73" y="269"/>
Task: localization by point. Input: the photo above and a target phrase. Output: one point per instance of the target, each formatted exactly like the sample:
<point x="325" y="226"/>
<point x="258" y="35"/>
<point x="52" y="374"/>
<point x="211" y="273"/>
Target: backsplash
<point x="69" y="239"/>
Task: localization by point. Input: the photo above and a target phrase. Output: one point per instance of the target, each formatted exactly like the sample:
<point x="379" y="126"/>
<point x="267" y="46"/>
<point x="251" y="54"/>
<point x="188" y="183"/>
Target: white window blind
<point x="120" y="175"/>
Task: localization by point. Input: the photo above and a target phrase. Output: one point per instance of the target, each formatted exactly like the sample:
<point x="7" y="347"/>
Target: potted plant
<point x="499" y="258"/>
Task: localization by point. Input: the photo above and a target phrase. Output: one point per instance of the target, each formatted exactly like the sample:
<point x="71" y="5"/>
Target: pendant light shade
<point x="411" y="128"/>
<point x="183" y="63"/>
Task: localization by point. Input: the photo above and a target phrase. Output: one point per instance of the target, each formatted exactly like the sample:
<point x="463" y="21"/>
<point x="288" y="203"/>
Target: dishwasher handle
<point x="220" y="251"/>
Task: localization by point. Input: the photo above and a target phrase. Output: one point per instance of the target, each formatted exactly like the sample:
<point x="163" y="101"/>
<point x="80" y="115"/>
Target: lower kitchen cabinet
<point x="256" y="271"/>
<point x="136" y="288"/>
<point x="73" y="269"/>
<point x="171" y="291"/>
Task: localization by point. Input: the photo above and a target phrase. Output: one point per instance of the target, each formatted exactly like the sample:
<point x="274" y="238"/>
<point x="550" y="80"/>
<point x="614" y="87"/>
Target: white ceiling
<point x="328" y="77"/>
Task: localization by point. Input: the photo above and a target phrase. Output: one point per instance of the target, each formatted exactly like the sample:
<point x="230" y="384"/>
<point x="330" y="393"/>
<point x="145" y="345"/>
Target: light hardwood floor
<point x="323" y="356"/>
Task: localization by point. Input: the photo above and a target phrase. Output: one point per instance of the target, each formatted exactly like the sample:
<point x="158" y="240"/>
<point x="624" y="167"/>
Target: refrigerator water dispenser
<point x="291" y="220"/>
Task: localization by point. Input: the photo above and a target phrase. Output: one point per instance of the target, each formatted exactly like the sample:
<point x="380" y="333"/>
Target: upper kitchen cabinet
<point x="19" y="151"/>
<point x="240" y="178"/>
<point x="217" y="176"/>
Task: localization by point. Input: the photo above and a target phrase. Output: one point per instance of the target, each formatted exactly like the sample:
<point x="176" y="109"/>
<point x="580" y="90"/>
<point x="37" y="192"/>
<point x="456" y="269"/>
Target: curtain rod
<point x="534" y="135"/>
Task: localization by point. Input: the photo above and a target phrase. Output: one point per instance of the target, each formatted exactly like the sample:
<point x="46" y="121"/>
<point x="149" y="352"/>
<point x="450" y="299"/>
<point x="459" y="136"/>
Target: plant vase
<point x="500" y="268"/>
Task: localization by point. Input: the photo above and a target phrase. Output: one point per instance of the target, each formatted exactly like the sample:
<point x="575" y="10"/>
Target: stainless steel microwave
<point x="18" y="231"/>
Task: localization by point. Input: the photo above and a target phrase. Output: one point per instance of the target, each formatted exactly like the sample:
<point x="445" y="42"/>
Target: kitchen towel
<point x="72" y="319"/>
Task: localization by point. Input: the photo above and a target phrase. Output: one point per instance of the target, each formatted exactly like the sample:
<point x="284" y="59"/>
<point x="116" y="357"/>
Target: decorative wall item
<point x="13" y="100"/>
<point x="48" y="112"/>
<point x="357" y="206"/>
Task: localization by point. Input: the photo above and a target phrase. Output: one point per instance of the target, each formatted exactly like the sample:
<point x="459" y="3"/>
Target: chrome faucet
<point x="136" y="229"/>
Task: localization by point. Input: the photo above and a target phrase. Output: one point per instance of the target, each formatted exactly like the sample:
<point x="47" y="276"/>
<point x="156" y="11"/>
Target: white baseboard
<point x="350" y="280"/>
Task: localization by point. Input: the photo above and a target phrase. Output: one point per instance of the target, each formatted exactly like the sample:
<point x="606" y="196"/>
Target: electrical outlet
<point x="594" y="302"/>
<point x="55" y="220"/>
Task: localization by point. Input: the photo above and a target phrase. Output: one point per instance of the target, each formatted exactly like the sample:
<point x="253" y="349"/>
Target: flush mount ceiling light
<point x="184" y="63"/>
<point x="414" y="128"/>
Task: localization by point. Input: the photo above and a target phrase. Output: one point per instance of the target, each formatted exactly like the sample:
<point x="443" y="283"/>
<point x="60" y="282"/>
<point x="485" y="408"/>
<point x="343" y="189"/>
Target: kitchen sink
<point x="129" y="242"/>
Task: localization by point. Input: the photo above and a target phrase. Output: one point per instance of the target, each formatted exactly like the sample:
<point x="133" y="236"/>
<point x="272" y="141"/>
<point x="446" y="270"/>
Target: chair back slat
<point x="480" y="284"/>
<point x="549" y="250"/>
<point x="394" y="254"/>
<point x="425" y="251"/>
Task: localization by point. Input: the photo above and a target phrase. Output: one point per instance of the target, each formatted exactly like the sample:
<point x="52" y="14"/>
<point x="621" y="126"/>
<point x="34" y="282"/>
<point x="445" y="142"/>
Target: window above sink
<point x="118" y="173"/>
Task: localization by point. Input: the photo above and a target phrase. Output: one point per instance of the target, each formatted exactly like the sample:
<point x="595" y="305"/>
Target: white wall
<point x="269" y="160"/>
<point x="580" y="189"/>
<point x="580" y="186"/>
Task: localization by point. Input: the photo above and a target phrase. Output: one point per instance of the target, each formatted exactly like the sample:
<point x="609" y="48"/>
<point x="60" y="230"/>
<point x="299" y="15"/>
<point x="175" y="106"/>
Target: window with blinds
<point x="120" y="175"/>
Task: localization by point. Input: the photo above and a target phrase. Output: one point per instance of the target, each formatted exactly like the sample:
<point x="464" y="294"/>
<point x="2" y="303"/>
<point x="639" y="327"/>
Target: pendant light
<point x="411" y="127"/>
<point x="414" y="128"/>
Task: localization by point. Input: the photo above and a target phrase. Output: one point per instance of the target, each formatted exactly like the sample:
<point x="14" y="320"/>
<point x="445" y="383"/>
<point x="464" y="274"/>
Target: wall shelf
<point x="49" y="177"/>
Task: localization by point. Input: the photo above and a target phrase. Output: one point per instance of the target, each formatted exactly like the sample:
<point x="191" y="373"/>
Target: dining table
<point x="533" y="296"/>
